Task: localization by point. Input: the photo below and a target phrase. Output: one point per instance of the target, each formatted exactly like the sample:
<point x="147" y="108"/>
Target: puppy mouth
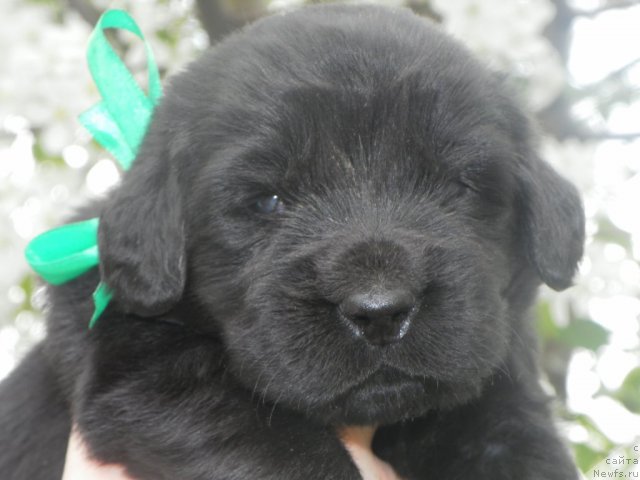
<point x="385" y="380"/>
<point x="381" y="394"/>
<point x="389" y="395"/>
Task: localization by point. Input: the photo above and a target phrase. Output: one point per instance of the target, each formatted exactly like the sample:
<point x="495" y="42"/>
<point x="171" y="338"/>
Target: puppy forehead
<point x="326" y="133"/>
<point x="284" y="98"/>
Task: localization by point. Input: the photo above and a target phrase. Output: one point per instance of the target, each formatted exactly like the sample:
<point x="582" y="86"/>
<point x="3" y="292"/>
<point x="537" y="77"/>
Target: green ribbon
<point x="119" y="123"/>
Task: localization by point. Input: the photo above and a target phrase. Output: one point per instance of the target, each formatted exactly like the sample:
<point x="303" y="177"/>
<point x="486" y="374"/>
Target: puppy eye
<point x="468" y="186"/>
<point x="269" y="204"/>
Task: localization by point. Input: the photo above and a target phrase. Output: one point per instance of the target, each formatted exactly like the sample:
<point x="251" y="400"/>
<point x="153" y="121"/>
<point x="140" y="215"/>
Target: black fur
<point x="401" y="164"/>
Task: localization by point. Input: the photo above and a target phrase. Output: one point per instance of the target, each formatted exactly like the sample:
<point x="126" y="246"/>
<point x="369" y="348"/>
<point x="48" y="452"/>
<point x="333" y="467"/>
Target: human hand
<point x="79" y="466"/>
<point x="357" y="441"/>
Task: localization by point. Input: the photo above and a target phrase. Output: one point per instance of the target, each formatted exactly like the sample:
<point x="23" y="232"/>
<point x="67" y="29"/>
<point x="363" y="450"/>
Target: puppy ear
<point x="141" y="234"/>
<point x="553" y="224"/>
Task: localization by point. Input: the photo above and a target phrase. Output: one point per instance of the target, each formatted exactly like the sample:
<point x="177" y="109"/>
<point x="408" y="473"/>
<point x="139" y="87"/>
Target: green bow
<point x="119" y="123"/>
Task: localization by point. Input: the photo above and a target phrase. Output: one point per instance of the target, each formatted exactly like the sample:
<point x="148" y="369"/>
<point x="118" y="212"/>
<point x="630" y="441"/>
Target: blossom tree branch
<point x="557" y="119"/>
<point x="608" y="6"/>
<point x="221" y="17"/>
<point x="86" y="9"/>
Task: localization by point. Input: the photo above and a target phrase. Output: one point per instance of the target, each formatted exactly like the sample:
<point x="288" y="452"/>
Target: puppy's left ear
<point x="141" y="234"/>
<point x="553" y="223"/>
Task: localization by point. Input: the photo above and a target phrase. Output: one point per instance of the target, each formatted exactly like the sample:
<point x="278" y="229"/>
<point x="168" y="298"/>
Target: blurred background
<point x="576" y="64"/>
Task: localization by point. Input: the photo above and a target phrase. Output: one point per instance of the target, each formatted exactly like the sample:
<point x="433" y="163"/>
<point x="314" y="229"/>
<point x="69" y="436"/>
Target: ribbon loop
<point x="120" y="122"/>
<point x="66" y="252"/>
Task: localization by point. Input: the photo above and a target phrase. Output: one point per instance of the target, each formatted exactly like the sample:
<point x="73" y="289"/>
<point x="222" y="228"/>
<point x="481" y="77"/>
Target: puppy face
<point x="353" y="205"/>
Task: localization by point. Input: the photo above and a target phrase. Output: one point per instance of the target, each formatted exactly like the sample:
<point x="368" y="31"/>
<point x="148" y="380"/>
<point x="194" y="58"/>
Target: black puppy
<point x="336" y="218"/>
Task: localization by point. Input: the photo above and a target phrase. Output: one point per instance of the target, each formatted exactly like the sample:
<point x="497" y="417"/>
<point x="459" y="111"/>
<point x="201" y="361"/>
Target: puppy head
<point x="349" y="199"/>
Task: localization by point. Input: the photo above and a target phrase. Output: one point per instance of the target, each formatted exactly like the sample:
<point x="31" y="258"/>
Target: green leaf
<point x="584" y="333"/>
<point x="609" y="232"/>
<point x="598" y="440"/>
<point x="547" y="328"/>
<point x="43" y="157"/>
<point x="586" y="457"/>
<point x="629" y="392"/>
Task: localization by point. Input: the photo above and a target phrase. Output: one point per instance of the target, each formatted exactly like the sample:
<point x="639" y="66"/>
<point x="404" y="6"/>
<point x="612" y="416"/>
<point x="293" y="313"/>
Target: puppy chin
<point x="388" y="397"/>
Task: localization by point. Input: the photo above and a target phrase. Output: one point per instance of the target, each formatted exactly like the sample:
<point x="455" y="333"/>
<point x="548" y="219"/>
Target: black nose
<point x="382" y="317"/>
